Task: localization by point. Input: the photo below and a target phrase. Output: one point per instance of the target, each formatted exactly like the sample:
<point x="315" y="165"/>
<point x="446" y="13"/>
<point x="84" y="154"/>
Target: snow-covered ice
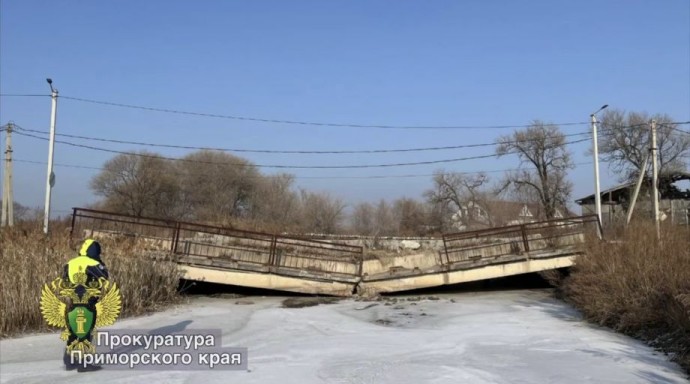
<point x="489" y="337"/>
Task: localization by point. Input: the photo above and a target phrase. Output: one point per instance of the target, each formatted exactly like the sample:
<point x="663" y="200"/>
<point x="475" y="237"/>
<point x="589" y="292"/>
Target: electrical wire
<point x="295" y="122"/>
<point x="22" y="95"/>
<point x="280" y="166"/>
<point x="672" y="126"/>
<point x="58" y="164"/>
<point x="309" y="177"/>
<point x="287" y="151"/>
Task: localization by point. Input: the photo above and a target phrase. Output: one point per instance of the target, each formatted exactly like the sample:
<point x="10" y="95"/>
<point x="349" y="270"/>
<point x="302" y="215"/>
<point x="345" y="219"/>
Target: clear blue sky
<point x="468" y="63"/>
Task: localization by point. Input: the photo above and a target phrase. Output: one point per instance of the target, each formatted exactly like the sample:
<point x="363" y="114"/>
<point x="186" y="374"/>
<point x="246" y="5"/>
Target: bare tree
<point x="320" y="212"/>
<point x="384" y="222"/>
<point x="21" y="212"/>
<point x="542" y="148"/>
<point x="404" y="216"/>
<point x="410" y="215"/>
<point x="462" y="195"/>
<point x="275" y="204"/>
<point x="217" y="186"/>
<point x="362" y="219"/>
<point x="140" y="184"/>
<point x="625" y="141"/>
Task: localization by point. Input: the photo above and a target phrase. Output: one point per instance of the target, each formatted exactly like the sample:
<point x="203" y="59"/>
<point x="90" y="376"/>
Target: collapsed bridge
<point x="306" y="265"/>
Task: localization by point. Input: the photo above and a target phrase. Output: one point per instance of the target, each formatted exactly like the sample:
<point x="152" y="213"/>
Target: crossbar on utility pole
<point x="50" y="178"/>
<point x="655" y="181"/>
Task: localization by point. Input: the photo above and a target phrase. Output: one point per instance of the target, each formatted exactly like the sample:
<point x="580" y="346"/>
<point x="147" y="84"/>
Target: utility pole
<point x="643" y="172"/>
<point x="655" y="181"/>
<point x="50" y="179"/>
<point x="3" y="216"/>
<point x="7" y="196"/>
<point x="595" y="152"/>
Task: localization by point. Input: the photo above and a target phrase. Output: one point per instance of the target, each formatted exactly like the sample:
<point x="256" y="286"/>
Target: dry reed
<point x="638" y="286"/>
<point x="29" y="259"/>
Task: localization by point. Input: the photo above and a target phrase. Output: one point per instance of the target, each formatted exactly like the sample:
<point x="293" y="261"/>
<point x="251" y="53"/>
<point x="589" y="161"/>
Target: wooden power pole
<point x="7" y="197"/>
<point x="653" y="156"/>
<point x="655" y="180"/>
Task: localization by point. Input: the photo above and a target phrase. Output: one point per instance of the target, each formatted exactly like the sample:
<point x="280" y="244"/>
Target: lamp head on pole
<point x="50" y="82"/>
<point x="600" y="109"/>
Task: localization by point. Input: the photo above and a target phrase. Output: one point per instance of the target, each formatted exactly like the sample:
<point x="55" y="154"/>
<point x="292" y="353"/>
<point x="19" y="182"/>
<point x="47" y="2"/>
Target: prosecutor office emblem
<point x="80" y="308"/>
<point x="81" y="321"/>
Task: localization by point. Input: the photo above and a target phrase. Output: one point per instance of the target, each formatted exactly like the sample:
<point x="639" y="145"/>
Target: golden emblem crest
<point x="75" y="314"/>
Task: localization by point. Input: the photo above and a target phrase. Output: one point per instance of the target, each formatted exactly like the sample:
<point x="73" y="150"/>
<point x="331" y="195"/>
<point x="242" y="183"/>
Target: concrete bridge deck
<point x="294" y="264"/>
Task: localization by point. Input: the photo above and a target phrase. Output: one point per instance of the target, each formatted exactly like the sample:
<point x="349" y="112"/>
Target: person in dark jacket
<point x="88" y="261"/>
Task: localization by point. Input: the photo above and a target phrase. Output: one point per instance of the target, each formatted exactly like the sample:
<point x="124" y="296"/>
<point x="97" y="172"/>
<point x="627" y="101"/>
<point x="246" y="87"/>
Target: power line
<point x="280" y="166"/>
<point x="312" y="177"/>
<point x="672" y="126"/>
<point x="289" y="151"/>
<point x="174" y="111"/>
<point x="295" y="122"/>
<point x="59" y="165"/>
<point x="22" y="95"/>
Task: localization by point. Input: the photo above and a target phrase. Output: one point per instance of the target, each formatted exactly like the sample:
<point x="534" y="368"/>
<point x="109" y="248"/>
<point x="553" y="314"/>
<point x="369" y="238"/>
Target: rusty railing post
<point x="525" y="242"/>
<point x="175" y="238"/>
<point x="445" y="251"/>
<point x="74" y="216"/>
<point x="272" y="259"/>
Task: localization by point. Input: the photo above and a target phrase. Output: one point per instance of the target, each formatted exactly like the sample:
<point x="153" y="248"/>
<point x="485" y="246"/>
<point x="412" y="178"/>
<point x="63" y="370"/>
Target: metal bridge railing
<point x="521" y="239"/>
<point x="192" y="243"/>
<point x="206" y="245"/>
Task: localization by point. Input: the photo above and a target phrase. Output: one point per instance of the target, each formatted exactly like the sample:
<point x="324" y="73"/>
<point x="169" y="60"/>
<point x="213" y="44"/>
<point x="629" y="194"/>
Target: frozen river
<point x="489" y="337"/>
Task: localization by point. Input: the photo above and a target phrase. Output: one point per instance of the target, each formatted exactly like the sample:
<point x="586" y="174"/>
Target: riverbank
<point x="638" y="286"/>
<point x="487" y="337"/>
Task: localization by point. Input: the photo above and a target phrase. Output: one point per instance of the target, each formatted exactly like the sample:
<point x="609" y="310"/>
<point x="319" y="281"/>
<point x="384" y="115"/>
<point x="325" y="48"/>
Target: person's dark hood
<point x="92" y="249"/>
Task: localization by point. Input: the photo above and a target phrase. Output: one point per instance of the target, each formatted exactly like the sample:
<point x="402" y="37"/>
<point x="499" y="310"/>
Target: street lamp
<point x="50" y="179"/>
<point x="595" y="151"/>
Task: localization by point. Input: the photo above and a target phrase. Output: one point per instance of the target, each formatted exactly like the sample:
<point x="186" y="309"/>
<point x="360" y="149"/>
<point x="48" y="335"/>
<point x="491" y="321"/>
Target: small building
<point x="500" y="213"/>
<point x="674" y="202"/>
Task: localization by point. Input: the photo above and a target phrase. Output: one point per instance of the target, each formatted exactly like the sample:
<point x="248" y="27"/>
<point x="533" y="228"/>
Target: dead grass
<point x="638" y="286"/>
<point x="28" y="259"/>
